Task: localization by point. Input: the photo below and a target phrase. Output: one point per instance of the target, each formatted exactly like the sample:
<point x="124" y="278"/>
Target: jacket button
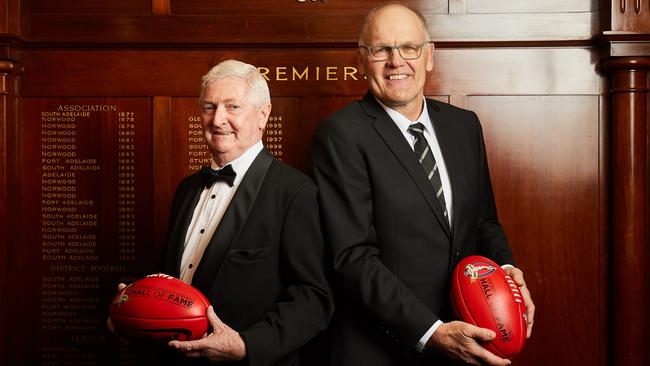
<point x="456" y="252"/>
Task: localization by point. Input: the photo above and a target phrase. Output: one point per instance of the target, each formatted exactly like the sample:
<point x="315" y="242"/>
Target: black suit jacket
<point x="263" y="268"/>
<point x="392" y="251"/>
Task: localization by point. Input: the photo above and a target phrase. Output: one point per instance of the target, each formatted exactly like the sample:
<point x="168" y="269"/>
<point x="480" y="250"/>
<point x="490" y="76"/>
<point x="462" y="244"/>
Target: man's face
<point x="231" y="123"/>
<point x="396" y="82"/>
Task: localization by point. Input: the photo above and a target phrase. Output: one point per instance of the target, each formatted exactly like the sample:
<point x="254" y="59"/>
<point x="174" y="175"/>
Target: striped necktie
<point x="425" y="156"/>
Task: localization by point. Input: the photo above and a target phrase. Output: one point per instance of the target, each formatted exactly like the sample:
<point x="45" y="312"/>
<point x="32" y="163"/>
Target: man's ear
<point x="263" y="114"/>
<point x="430" y="56"/>
<point x="362" y="68"/>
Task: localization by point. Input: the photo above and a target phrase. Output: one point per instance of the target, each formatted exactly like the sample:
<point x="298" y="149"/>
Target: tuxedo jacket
<point x="263" y="268"/>
<point x="393" y="251"/>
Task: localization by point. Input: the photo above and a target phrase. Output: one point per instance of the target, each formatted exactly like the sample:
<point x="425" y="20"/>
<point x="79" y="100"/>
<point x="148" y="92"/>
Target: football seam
<point x="494" y="349"/>
<point x="518" y="303"/>
<point x="201" y="296"/>
<point x="462" y="298"/>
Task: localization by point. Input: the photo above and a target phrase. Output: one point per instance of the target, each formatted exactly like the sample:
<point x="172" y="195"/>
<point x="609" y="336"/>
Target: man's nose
<point x="219" y="116"/>
<point x="395" y="58"/>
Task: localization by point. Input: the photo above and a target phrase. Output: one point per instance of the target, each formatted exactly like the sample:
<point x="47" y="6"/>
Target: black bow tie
<point x="225" y="174"/>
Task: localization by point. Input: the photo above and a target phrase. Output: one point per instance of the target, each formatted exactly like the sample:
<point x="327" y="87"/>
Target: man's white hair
<point x="258" y="90"/>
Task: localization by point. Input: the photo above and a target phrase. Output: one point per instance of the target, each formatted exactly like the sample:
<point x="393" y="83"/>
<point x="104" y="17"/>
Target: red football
<point x="484" y="295"/>
<point x="159" y="308"/>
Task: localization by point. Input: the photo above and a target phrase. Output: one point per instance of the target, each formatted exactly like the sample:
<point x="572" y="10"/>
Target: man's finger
<point x="530" y="318"/>
<point x="481" y="334"/>
<point x="530" y="310"/>
<point x="188" y="346"/>
<point x="176" y="345"/>
<point x="490" y="358"/>
<point x="109" y="325"/>
<point x="519" y="277"/>
<point x="214" y="320"/>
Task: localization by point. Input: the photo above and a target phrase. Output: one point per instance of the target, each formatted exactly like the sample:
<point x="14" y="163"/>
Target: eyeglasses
<point x="407" y="51"/>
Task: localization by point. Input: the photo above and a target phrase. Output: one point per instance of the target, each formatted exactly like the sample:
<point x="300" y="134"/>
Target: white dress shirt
<point x="208" y="212"/>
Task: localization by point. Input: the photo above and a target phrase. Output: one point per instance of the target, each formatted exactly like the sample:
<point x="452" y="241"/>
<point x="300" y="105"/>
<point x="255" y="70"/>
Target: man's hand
<point x="461" y="340"/>
<point x="111" y="327"/>
<point x="223" y="344"/>
<point x="518" y="276"/>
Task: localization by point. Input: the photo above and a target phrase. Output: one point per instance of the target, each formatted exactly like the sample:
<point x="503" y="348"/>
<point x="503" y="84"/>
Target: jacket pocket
<point x="248" y="255"/>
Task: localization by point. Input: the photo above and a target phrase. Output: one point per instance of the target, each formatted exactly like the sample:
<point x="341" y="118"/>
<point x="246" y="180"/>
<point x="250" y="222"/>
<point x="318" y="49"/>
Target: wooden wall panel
<point x="9" y="17"/>
<point x="456" y="71"/>
<point x="86" y="197"/>
<point x="531" y="6"/>
<point x="543" y="154"/>
<point x="178" y="73"/>
<point x="296" y="22"/>
<point x="164" y="173"/>
<point x="295" y="7"/>
<point x="316" y="28"/>
<point x="514" y="70"/>
<point x="84" y="7"/>
<point x="314" y="109"/>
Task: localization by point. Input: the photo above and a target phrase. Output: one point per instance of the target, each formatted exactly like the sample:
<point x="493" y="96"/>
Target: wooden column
<point x="630" y="15"/>
<point x="629" y="214"/>
<point x="9" y="122"/>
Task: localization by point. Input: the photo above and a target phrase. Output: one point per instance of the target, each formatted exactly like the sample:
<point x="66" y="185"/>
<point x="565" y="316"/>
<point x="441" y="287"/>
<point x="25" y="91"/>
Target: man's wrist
<point x="422" y="343"/>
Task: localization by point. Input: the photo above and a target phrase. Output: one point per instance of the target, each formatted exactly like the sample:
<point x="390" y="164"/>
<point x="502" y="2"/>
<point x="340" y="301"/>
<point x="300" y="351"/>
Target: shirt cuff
<point x="423" y="341"/>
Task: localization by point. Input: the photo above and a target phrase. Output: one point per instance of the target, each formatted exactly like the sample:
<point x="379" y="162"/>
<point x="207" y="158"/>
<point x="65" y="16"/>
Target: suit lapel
<point x="395" y="141"/>
<point x="232" y="222"/>
<point x="181" y="224"/>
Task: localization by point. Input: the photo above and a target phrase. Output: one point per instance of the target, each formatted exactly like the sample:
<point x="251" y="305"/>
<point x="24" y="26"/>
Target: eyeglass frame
<point x="420" y="45"/>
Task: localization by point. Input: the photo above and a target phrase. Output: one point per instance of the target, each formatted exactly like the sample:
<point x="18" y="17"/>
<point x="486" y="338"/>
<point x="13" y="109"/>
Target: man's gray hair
<point x="258" y="90"/>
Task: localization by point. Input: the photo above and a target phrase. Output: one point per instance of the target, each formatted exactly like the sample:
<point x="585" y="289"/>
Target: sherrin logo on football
<point x="478" y="269"/>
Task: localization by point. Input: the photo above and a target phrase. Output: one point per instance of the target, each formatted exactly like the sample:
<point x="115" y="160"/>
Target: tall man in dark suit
<point x="245" y="232"/>
<point x="405" y="193"/>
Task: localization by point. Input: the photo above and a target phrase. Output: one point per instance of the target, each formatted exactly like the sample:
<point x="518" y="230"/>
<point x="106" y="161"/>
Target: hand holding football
<point x="484" y="295"/>
<point x="159" y="308"/>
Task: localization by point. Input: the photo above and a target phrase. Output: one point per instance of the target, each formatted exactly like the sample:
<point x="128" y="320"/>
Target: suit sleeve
<point x="306" y="306"/>
<point x="492" y="239"/>
<point x="345" y="198"/>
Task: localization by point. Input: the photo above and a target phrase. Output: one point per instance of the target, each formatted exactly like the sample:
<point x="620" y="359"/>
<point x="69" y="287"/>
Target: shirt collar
<point x="243" y="162"/>
<point x="403" y="123"/>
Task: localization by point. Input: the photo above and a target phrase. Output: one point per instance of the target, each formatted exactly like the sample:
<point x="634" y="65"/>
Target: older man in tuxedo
<point x="405" y="194"/>
<point x="245" y="231"/>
